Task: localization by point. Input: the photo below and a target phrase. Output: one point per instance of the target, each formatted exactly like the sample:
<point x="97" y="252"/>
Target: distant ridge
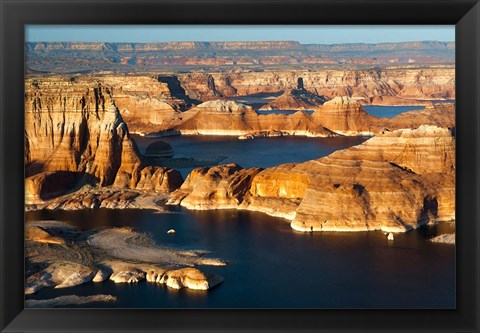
<point x="93" y="57"/>
<point x="240" y="45"/>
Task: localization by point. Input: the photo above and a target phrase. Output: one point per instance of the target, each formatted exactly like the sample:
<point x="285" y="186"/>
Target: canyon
<point x="80" y="154"/>
<point x="159" y="103"/>
<point x="393" y="182"/>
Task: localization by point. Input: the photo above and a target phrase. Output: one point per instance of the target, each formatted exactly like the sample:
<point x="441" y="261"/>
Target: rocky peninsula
<point x="59" y="255"/>
<point x="393" y="182"/>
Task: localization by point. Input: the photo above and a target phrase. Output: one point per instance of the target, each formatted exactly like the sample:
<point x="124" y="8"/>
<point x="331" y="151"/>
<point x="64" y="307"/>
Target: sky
<point x="305" y="34"/>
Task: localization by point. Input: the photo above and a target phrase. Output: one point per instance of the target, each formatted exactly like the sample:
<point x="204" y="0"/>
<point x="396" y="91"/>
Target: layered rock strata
<point x="152" y="103"/>
<point x="339" y="116"/>
<point x="394" y="182"/>
<point x="221" y="117"/>
<point x="74" y="134"/>
<point x="344" y="115"/>
<point x="405" y="83"/>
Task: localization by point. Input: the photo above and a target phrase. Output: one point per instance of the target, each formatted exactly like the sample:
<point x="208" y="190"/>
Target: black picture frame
<point x="465" y="14"/>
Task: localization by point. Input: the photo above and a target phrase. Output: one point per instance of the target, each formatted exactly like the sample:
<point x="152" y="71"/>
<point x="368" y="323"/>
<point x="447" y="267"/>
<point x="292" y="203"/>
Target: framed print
<point x="239" y="166"/>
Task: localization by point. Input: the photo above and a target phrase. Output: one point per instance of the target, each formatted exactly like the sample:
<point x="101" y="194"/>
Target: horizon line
<point x="238" y="41"/>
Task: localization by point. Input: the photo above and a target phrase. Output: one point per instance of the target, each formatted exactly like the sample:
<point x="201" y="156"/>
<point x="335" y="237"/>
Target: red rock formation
<point x="394" y="100"/>
<point x="393" y="182"/>
<point x="432" y="83"/>
<point x="230" y="118"/>
<point x="218" y="187"/>
<point x="344" y="115"/>
<point x="73" y="127"/>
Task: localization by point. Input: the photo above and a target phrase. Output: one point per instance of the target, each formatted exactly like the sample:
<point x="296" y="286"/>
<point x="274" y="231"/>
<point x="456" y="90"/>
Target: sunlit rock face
<point x="393" y="182"/>
<point x="76" y="127"/>
<point x="433" y="83"/>
<point x="344" y="115"/>
<point x="147" y="103"/>
<point x="219" y="117"/>
<point x="220" y="187"/>
<point x="439" y="114"/>
<point x="339" y="116"/>
<point x="74" y="133"/>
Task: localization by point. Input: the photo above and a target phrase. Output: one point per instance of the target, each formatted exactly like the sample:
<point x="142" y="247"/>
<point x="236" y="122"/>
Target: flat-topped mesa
<point x="344" y="115"/>
<point x="427" y="149"/>
<point x="220" y="117"/>
<point x="416" y="84"/>
<point x="394" y="100"/>
<point x="393" y="182"/>
<point x="73" y="128"/>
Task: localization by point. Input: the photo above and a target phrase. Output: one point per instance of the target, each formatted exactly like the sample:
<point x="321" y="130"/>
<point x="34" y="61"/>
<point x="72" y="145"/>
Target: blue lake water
<point x="271" y="265"/>
<point x="388" y="111"/>
<point x="381" y="111"/>
<point x="259" y="152"/>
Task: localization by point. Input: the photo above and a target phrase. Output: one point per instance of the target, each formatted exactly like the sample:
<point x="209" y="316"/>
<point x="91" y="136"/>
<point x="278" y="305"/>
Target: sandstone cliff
<point x="74" y="134"/>
<point x="221" y="117"/>
<point x="393" y="182"/>
<point x="345" y="116"/>
<point x="339" y="116"/>
<point x="151" y="103"/>
<point x="430" y="83"/>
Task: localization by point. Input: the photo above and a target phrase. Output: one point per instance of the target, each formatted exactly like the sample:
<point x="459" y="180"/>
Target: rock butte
<point x="75" y="135"/>
<point x="394" y="182"/>
<point x="339" y="116"/>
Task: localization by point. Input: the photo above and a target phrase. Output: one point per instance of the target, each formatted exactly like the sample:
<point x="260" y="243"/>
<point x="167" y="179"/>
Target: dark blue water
<point x="388" y="111"/>
<point x="259" y="152"/>
<point x="272" y="266"/>
<point x="381" y="111"/>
